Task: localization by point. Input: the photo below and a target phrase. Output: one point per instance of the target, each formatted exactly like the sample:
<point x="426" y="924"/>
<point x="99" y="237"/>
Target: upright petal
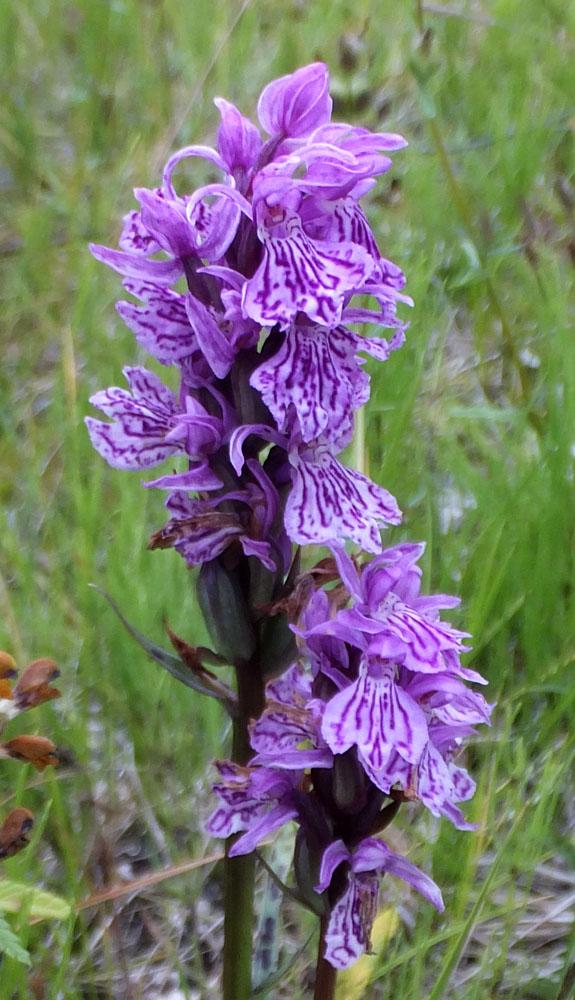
<point x="295" y="105"/>
<point x="239" y="141"/>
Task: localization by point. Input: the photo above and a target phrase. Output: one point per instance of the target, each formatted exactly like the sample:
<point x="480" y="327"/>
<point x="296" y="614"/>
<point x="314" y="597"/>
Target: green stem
<point x="238" y="932"/>
<point x="325" y="974"/>
<point x="239" y="872"/>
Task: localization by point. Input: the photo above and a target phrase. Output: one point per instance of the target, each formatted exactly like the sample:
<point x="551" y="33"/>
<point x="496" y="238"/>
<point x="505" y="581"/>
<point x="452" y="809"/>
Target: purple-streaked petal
<point x="344" y="221"/>
<point x="275" y="818"/>
<point x="316" y="372"/>
<point x="440" y="786"/>
<point x="160" y="272"/>
<point x="292" y="688"/>
<point x="245" y="795"/>
<point x="136" y="238"/>
<point x="463" y="784"/>
<point x="227" y="820"/>
<point x="143" y="419"/>
<point x="161" y="326"/>
<point x="375" y="714"/>
<point x="348" y="933"/>
<point x="129" y="444"/>
<point x="329" y="503"/>
<point x="298" y="275"/>
<point x="282" y="728"/>
<point x="396" y="771"/>
<point x="434" y="783"/>
<point x="425" y="640"/>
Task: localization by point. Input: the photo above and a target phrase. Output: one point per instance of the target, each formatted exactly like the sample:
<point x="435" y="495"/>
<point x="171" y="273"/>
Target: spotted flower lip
<point x="328" y="501"/>
<point x="301" y="275"/>
<point x="378" y="716"/>
<point x="161" y="325"/>
<point x="352" y="916"/>
<point x="317" y="373"/>
<point x="149" y="425"/>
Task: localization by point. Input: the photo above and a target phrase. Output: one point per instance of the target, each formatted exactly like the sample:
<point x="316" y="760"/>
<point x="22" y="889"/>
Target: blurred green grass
<point x="471" y="426"/>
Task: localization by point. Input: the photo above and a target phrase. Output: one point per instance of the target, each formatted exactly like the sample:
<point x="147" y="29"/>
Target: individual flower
<point x="256" y="800"/>
<point x="389" y="618"/>
<point x="149" y="425"/>
<point x="352" y="915"/>
<point x="200" y="531"/>
<point x="327" y="501"/>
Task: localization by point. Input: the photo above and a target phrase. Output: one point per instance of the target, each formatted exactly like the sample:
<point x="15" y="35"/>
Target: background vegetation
<point x="471" y="426"/>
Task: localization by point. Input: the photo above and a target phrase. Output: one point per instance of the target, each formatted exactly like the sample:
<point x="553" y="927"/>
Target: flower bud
<point x="226" y="613"/>
<point x="278" y="647"/>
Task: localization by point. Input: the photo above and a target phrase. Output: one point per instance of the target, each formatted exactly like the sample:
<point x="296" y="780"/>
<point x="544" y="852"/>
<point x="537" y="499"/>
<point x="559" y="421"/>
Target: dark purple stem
<point x="240" y="871"/>
<point x="325" y="975"/>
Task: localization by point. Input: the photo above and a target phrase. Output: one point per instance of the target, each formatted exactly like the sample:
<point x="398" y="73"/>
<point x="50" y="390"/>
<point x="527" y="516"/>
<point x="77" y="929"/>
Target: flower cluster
<point x="374" y="714"/>
<point x="278" y="246"/>
<point x="246" y="287"/>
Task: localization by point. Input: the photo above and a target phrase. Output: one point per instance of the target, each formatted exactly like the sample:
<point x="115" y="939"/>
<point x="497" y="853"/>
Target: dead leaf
<point x="35" y="750"/>
<point x="6" y="689"/>
<point x="13" y="832"/>
<point x="33" y="687"/>
<point x="7" y="665"/>
<point x="189" y="655"/>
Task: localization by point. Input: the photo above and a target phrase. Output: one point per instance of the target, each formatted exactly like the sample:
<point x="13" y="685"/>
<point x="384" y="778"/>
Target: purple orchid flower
<point x="255" y="800"/>
<point x="352" y="916"/>
<point x="327" y="501"/>
<point x="149" y="424"/>
<point x="247" y="287"/>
